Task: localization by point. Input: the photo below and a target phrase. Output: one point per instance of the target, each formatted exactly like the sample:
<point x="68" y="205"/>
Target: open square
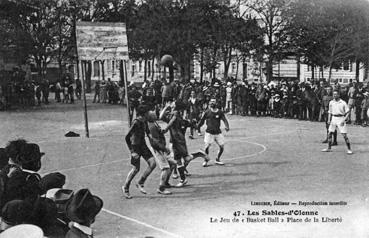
<point x="266" y="160"/>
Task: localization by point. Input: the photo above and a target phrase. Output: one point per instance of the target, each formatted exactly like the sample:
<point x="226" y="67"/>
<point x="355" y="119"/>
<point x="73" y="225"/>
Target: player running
<point x="161" y="153"/>
<point x="176" y="126"/>
<point x="338" y="115"/>
<point x="213" y="116"/>
<point x="136" y="143"/>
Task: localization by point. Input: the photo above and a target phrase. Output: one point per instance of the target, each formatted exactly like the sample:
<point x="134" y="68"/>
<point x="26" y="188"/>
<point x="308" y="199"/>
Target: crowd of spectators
<point x="282" y="99"/>
<point x="26" y="197"/>
<point x="17" y="90"/>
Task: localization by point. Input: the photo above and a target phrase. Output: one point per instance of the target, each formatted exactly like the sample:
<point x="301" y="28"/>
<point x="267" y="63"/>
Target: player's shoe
<point x="334" y="143"/>
<point x="199" y="134"/>
<point x="325" y="141"/>
<point x="218" y="162"/>
<point x="175" y="175"/>
<point x="168" y="185"/>
<point x="349" y="152"/>
<point x="187" y="173"/>
<point x="141" y="188"/>
<point x="191" y="137"/>
<point x="126" y="193"/>
<point x="206" y="161"/>
<point x="182" y="183"/>
<point x="326" y="150"/>
<point x="164" y="192"/>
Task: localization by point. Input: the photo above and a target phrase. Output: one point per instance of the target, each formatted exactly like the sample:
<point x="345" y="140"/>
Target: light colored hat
<point x="213" y="101"/>
<point x="229" y="84"/>
<point x="23" y="231"/>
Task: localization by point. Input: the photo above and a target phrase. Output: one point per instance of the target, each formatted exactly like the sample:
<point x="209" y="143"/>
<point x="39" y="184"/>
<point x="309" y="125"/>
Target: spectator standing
<point x="365" y="109"/>
<point x="78" y="89"/>
<point x="58" y="89"/>
<point x="358" y="106"/>
<point x="97" y="92"/>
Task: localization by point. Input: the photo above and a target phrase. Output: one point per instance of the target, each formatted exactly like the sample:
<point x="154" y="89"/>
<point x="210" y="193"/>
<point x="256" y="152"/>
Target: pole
<point x="83" y="84"/>
<point x="126" y="90"/>
<point x="83" y="64"/>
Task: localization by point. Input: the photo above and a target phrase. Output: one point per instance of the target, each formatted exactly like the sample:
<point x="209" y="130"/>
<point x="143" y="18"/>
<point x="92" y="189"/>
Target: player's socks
<point x="182" y="174"/>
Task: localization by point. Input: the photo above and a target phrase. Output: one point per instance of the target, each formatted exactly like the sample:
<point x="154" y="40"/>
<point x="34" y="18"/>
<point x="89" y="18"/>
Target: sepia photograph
<point x="184" y="118"/>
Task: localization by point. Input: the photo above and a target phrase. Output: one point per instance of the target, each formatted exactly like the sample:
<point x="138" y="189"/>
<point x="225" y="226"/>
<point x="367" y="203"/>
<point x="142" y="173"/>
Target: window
<point x="108" y="65"/>
<point x="140" y="66"/>
<point x="96" y="69"/>
<point x="309" y="68"/>
<point x="346" y="65"/>
<point x="233" y="68"/>
<point x="345" y="80"/>
<point x="113" y="67"/>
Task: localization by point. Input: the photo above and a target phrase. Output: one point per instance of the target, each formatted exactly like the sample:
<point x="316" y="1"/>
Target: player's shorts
<point x="163" y="160"/>
<point x="211" y="138"/>
<point x="143" y="151"/>
<point x="336" y="122"/>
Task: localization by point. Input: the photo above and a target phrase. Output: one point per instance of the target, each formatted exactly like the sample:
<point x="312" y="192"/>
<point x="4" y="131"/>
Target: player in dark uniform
<point x="177" y="127"/>
<point x="136" y="143"/>
<point x="161" y="153"/>
<point x="213" y="116"/>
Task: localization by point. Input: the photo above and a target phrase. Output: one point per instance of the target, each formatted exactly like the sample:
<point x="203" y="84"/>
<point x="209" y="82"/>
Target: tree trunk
<point x="238" y="61"/>
<point x="357" y="70"/>
<point x="322" y="70"/>
<point x="312" y="72"/>
<point x="44" y="67"/>
<point x="145" y="70"/>
<point x="102" y="69"/>
<point x="88" y="72"/>
<point x="269" y="69"/>
<point x="60" y="71"/>
<point x="330" y="72"/>
<point x="202" y="65"/>
<point x="39" y="68"/>
<point x="171" y="74"/>
<point x="153" y="68"/>
<point x="214" y="60"/>
<point x="121" y="73"/>
<point x="298" y="68"/>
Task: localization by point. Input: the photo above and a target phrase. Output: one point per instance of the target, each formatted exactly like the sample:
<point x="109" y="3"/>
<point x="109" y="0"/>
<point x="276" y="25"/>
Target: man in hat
<point x="213" y="116"/>
<point x="338" y="115"/>
<point x="82" y="211"/>
<point x="20" y="175"/>
<point x="15" y="212"/>
<point x="51" y="181"/>
<point x="136" y="143"/>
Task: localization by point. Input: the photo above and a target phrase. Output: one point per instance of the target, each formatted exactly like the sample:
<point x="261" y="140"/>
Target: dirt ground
<point x="267" y="160"/>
